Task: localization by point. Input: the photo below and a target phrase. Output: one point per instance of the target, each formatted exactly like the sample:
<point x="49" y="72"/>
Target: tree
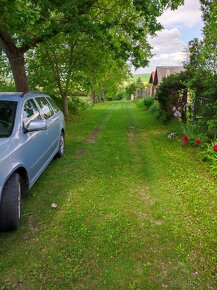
<point x="140" y="85"/>
<point x="53" y="66"/>
<point x="69" y="63"/>
<point x="25" y="24"/>
<point x="201" y="68"/>
<point x="123" y="25"/>
<point x="131" y="89"/>
<point x="103" y="71"/>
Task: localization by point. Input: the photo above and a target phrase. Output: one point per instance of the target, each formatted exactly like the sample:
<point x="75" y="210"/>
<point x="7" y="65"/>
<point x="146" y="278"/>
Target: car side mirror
<point x="36" y="125"/>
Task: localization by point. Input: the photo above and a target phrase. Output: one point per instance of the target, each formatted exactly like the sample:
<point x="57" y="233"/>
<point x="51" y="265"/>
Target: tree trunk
<point x="65" y="103"/>
<point x="101" y="96"/>
<point x="17" y="63"/>
<point x="92" y="96"/>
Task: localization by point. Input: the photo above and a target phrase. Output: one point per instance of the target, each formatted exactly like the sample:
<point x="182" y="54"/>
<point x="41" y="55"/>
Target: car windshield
<point x="7" y="117"/>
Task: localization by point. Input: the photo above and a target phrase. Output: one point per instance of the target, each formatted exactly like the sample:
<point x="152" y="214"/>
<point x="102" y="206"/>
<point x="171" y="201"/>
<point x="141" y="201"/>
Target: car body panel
<point x="31" y="151"/>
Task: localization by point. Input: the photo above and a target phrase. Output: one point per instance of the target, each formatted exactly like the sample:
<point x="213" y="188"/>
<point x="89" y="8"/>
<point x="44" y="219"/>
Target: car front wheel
<point x="10" y="213"/>
<point x="61" y="150"/>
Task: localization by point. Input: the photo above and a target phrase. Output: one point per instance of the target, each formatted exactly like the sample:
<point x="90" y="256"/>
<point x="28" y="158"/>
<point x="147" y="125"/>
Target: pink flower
<point x="185" y="139"/>
<point x="214" y="147"/>
<point x="197" y="142"/>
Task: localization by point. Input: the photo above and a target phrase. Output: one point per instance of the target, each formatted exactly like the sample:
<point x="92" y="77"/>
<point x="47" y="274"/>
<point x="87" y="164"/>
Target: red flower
<point x="197" y="142"/>
<point x="214" y="147"/>
<point x="185" y="139"/>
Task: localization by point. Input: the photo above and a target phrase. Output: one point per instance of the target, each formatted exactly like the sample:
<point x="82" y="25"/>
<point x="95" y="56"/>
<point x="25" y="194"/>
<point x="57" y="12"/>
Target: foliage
<point x="140" y="84"/>
<point x="139" y="103"/>
<point x="155" y="107"/>
<point x="144" y="77"/>
<point x="210" y="156"/>
<point x="201" y="68"/>
<point x="120" y="95"/>
<point x="148" y="102"/>
<point x="51" y="65"/>
<point x="134" y="86"/>
<point x="121" y="26"/>
<point x="193" y="133"/>
<point x="172" y="93"/>
<point x="76" y="105"/>
<point x="130" y="89"/>
<point x="6" y="82"/>
<point x="66" y="64"/>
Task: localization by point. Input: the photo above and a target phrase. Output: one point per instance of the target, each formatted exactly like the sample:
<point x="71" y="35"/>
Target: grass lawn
<point x="135" y="211"/>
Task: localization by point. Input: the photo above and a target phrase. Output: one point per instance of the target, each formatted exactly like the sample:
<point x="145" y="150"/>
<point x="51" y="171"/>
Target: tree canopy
<point x="36" y="32"/>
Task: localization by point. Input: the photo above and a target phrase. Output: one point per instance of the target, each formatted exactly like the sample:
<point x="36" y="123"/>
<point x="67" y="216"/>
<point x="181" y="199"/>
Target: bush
<point x="208" y="120"/>
<point x="210" y="155"/>
<point x="75" y="104"/>
<point x="172" y="92"/>
<point x="148" y="102"/>
<point x="155" y="107"/>
<point x="140" y="103"/>
<point x="120" y="96"/>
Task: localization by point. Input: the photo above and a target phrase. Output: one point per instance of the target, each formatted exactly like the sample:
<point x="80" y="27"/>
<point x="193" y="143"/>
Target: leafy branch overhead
<point x="122" y="26"/>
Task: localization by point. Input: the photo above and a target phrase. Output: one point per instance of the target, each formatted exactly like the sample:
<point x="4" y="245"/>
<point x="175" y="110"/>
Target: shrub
<point x="75" y="104"/>
<point x="119" y="96"/>
<point x="148" y="102"/>
<point x="210" y="155"/>
<point x="172" y="92"/>
<point x="140" y="103"/>
<point x="155" y="107"/>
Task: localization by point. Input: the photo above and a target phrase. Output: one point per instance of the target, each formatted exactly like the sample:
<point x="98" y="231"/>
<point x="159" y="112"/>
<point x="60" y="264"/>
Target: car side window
<point x="30" y="112"/>
<point x="46" y="109"/>
<point x="53" y="104"/>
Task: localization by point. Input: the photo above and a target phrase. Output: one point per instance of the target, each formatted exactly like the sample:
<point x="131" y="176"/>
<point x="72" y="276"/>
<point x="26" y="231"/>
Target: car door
<point x="53" y="124"/>
<point x="34" y="143"/>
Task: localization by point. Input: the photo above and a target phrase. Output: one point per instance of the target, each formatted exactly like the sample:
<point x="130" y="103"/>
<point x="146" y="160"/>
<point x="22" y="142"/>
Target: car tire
<point x="10" y="213"/>
<point x="61" y="150"/>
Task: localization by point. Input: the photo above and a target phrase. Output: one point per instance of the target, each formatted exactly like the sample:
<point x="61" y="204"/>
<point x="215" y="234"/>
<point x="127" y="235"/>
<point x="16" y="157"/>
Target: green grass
<point x="135" y="211"/>
<point x="144" y="77"/>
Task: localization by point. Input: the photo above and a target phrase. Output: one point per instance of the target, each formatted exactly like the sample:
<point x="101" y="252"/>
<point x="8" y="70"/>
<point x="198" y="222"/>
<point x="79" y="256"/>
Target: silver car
<point x="31" y="133"/>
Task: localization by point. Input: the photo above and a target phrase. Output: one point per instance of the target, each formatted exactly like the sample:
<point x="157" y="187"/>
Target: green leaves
<point x="120" y="27"/>
<point x="202" y="71"/>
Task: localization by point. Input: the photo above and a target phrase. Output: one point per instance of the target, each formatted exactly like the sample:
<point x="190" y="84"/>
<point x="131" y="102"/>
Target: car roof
<point x="16" y="96"/>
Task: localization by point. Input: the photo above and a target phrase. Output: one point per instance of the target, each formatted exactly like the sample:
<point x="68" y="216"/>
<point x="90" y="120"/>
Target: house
<point x="160" y="73"/>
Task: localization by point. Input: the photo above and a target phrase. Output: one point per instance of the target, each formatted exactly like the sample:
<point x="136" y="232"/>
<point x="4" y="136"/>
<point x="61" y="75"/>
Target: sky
<point x="180" y="26"/>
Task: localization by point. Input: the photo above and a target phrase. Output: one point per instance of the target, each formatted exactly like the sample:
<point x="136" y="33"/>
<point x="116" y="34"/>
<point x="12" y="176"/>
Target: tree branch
<point x="6" y="41"/>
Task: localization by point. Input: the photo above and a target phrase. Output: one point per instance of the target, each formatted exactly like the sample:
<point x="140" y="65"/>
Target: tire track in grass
<point x="185" y="212"/>
<point x="124" y="220"/>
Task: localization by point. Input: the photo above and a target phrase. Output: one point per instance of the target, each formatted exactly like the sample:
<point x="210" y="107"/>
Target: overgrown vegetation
<point x="190" y="97"/>
<point x="172" y="92"/>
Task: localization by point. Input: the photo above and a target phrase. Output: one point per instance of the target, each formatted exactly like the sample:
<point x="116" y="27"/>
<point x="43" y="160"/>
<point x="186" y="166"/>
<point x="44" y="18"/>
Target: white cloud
<point x="168" y="46"/>
<point x="168" y="49"/>
<point x="189" y="14"/>
<point x="168" y="40"/>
